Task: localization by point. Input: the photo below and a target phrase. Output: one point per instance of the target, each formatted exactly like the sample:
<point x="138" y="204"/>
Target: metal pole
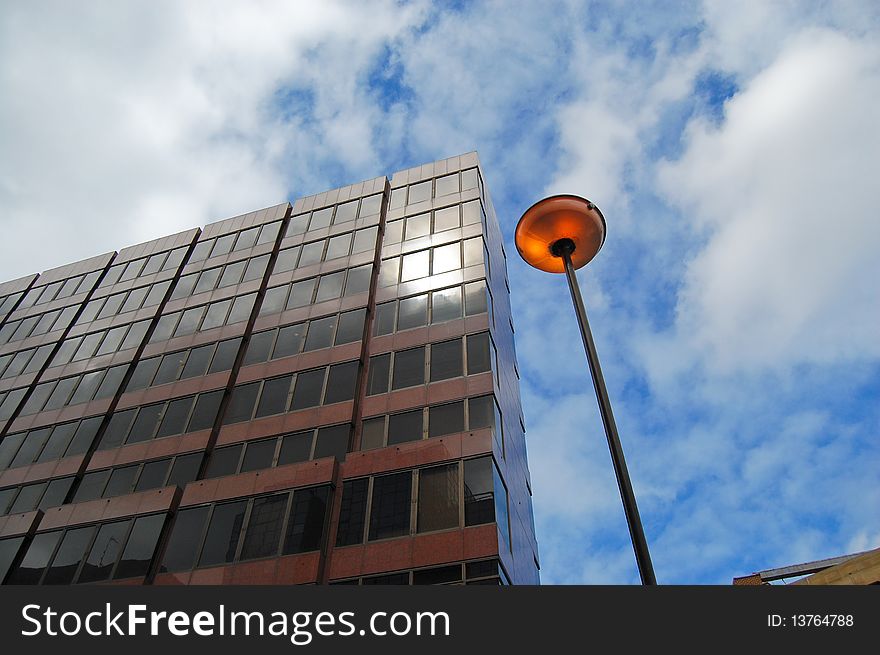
<point x="640" y="545"/>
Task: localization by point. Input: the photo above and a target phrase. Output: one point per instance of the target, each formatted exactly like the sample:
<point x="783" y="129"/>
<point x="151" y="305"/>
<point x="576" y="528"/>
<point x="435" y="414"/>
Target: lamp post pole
<point x="563" y="248"/>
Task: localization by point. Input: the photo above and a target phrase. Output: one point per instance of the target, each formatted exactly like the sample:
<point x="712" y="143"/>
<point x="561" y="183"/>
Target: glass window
<point x="297" y="225"/>
<point x="295" y="448"/>
<point x="420" y="192"/>
<point x="501" y="515"/>
<point x="308" y="389"/>
<point x="132" y="270"/>
<point x="332" y="441"/>
<point x="135" y="299"/>
<point x="321" y="333"/>
<point x="28" y="498"/>
<point x="346" y="212"/>
<point x="121" y="481"/>
<point x="31" y="447"/>
<point x="90" y="312"/>
<point x="409" y="368"/>
<point x="286" y="260"/>
<point x="478" y="357"/>
<point x="111" y="382"/>
<point x="258" y="455"/>
<point x="174" y="421"/>
<point x="184" y="469"/>
<point x="25" y="327"/>
<point x="175" y="257"/>
<point x="69" y="555"/>
<point x="447" y="258"/>
<point x="154" y="264"/>
<point x="386" y="314"/>
<point x="84" y="435"/>
<point x="170" y="367"/>
<point x="393" y="232"/>
<point x="311" y="253"/>
<point x="197" y="362"/>
<point x="88" y="345"/>
<point x="446" y="305"/>
<point x="205" y="411"/>
<point x="290" y="340"/>
<point x="379" y="369"/>
<point x="225" y="355"/>
<point x="200" y="252"/>
<point x="469" y="179"/>
<point x="418" y="226"/>
<point x="57" y="443"/>
<point x="438" y="498"/>
<point x="263" y="534"/>
<point x="241" y="404"/>
<point x="256" y="267"/>
<point x="446" y="360"/>
<point x="18" y="363"/>
<point x="223" y="245"/>
<point x="413" y="312"/>
<point x="305" y="525"/>
<point x="145" y="423"/>
<point x="273" y="400"/>
<point x="186" y="535"/>
<point x="358" y="279"/>
<point x="447" y="184"/>
<point x="117" y="429"/>
<point x="56" y="492"/>
<point x="221" y="541"/>
<point x="481" y="412"/>
<point x="140" y="546"/>
<point x="40" y="357"/>
<point x="69" y="287"/>
<point x="61" y="392"/>
<point x="232" y="274"/>
<point x="111" y="342"/>
<point x="45" y="322"/>
<point x="371" y="205"/>
<point x="190" y="320"/>
<point x="184" y="286"/>
<point x="339" y="246"/>
<point x="437" y="575"/>
<point x="373" y="433"/>
<point x="247" y="238"/>
<point x="353" y="512"/>
<point x="31" y="568"/>
<point x="365" y="240"/>
<point x="446" y="419"/>
<point x="473" y="251"/>
<point x="208" y="280"/>
<point x="330" y="286"/>
<point x="475" y="299"/>
<point x="157" y="292"/>
<point x="390" y="509"/>
<point x="135" y="334"/>
<point x="301" y="293"/>
<point x="224" y="461"/>
<point x="479" y="502"/>
<point x="446" y="219"/>
<point x="415" y="266"/>
<point x="269" y="232"/>
<point x="389" y="271"/>
<point x="259" y="347"/>
<point x="216" y="314"/>
<point x="351" y="326"/>
<point x="6" y="496"/>
<point x="321" y="218"/>
<point x="404" y="427"/>
<point x="241" y="308"/>
<point x="165" y="327"/>
<point x="153" y="475"/>
<point x="105" y="551"/>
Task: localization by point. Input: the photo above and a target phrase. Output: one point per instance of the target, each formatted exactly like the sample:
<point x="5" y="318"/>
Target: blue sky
<point x="732" y="147"/>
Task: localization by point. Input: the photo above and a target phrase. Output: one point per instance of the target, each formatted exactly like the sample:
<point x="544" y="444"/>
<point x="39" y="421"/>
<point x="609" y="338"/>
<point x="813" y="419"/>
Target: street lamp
<point x="560" y="234"/>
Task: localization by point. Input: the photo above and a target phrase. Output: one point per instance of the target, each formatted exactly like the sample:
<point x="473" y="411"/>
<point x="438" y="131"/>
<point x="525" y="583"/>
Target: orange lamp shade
<point x="555" y="218"/>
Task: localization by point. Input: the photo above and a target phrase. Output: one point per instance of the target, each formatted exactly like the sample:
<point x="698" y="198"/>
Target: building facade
<point x="323" y="393"/>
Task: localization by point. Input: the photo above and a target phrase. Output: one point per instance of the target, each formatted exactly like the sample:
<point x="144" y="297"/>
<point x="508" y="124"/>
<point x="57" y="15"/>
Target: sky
<point x="732" y="147"/>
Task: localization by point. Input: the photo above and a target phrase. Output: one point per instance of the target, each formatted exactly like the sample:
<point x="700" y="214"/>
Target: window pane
<point x="446" y="360"/>
<point x="351" y="326"/>
<point x="9" y="446"/>
<point x="418" y="226"/>
<point x="311" y="253"/>
<point x="446" y="305"/>
<point x="481" y="412"/>
<point x="256" y="267"/>
<point x="85" y="434"/>
<point x="398" y="198"/>
<point x="57" y="443"/>
<point x="232" y="274"/>
<point x="28" y="498"/>
<point x="269" y="232"/>
<point x="157" y="292"/>
<point x="415" y="266"/>
<point x="373" y="433"/>
<point x="223" y="532"/>
<point x="223" y="245"/>
<point x="447" y="258"/>
<point x="478" y="353"/>
<point x="286" y="260"/>
<point x="69" y="555"/>
<point x="473" y="251"/>
<point x="446" y="419"/>
<point x="321" y="333"/>
<point x="393" y="232"/>
<point x="405" y="427"/>
<point x="134" y="300"/>
<point x="413" y="312"/>
<point x="110" y="383"/>
<point x="308" y="389"/>
<point x="224" y="461"/>
<point x="184" y="286"/>
<point x="105" y="551"/>
<point x="197" y="362"/>
<point x="389" y="512"/>
<point x="56" y="492"/>
<point x="117" y="429"/>
<point x="140" y="547"/>
<point x="338" y="246"/>
<point x="121" y="481"/>
<point x="40" y="357"/>
<point x="241" y="308"/>
<point x="358" y="280"/>
<point x="345" y="212"/>
<point x="263" y="535"/>
<point x="479" y="502"/>
<point x="180" y="553"/>
<point x="135" y="334"/>
<point x="90" y="312"/>
<point x="31" y="447"/>
<point x="87" y="346"/>
<point x="446" y="219"/>
<point x="247" y="238"/>
<point x="258" y="455"/>
<point x="61" y="393"/>
<point x="438" y="498"/>
<point x="6" y="496"/>
<point x="216" y="314"/>
<point x="501" y="515"/>
<point x="341" y="382"/>
<point x="174" y="421"/>
<point x="189" y="321"/>
<point x="409" y="368"/>
<point x="371" y="205"/>
<point x="353" y="512"/>
<point x="170" y="367"/>
<point x="469" y="179"/>
<point x="379" y="368"/>
<point x="153" y="475"/>
<point x="305" y="526"/>
<point x="330" y="286"/>
<point x="419" y="192"/>
<point x="225" y="355"/>
<point x="241" y="405"/>
<point x="332" y="441"/>
<point x="297" y="225"/>
<point x="30" y="570"/>
<point x="200" y="252"/>
<point x="260" y="347"/>
<point x="184" y="469"/>
<point x="389" y="271"/>
<point x="301" y="293"/>
<point x="321" y="218"/>
<point x="154" y="264"/>
<point x="273" y="400"/>
<point x="145" y="423"/>
<point x="475" y="298"/>
<point x="132" y="270"/>
<point x="208" y="280"/>
<point x="386" y="314"/>
<point x="205" y="411"/>
<point x="295" y="448"/>
<point x="290" y="340"/>
<point x="365" y="240"/>
<point x="111" y="342"/>
<point x="165" y="327"/>
<point x="174" y="258"/>
<point x="437" y="575"/>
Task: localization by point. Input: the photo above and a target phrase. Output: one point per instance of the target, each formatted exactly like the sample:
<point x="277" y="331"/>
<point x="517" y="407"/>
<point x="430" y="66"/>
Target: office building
<point x="322" y="393"/>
